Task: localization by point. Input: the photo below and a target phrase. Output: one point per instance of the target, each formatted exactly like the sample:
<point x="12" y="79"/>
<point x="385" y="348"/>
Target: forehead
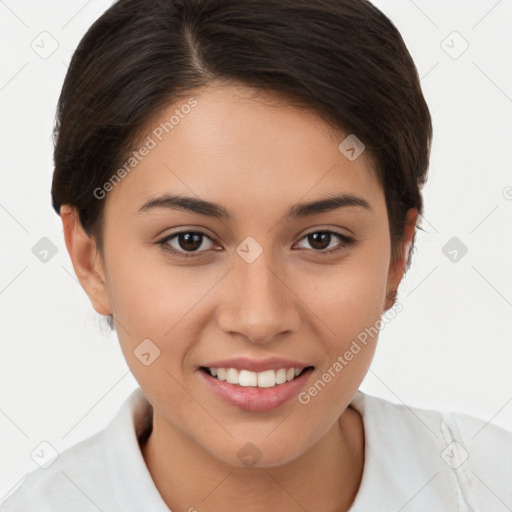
<point x="249" y="150"/>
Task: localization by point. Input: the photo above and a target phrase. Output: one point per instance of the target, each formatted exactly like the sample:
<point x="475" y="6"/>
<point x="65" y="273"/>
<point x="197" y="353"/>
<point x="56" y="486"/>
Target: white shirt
<point x="415" y="461"/>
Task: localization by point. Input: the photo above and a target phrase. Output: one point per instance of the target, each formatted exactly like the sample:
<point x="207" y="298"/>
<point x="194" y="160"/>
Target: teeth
<point x="247" y="378"/>
<point x="266" y="379"/>
<point x="281" y="376"/>
<point x="232" y="376"/>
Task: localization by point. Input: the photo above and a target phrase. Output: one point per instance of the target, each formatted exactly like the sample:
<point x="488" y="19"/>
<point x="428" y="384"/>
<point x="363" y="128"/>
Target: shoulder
<point x="68" y="481"/>
<point x="453" y="458"/>
<point x="105" y="471"/>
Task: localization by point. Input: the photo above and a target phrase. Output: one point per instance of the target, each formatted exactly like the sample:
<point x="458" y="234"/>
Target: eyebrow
<point x="210" y="209"/>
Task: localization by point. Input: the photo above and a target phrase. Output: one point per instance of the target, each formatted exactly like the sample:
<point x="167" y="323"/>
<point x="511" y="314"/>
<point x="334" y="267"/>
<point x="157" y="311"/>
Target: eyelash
<point x="347" y="242"/>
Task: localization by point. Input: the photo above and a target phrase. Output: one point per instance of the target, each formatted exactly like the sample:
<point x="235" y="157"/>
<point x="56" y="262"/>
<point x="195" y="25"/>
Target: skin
<point x="257" y="156"/>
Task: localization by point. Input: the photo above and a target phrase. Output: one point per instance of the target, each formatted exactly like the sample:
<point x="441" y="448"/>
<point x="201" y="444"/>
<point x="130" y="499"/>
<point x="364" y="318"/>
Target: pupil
<point x="192" y="241"/>
<point x="317" y="240"/>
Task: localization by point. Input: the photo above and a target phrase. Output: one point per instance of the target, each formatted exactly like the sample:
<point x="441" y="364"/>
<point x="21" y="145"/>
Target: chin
<point x="247" y="454"/>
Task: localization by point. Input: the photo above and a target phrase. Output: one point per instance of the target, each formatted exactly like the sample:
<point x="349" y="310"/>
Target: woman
<point x="240" y="184"/>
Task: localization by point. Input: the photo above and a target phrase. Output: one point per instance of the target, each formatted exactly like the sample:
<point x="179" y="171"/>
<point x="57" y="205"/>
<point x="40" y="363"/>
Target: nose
<point x="258" y="303"/>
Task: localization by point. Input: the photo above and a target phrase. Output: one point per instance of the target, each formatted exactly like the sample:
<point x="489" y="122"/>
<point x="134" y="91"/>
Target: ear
<point x="86" y="260"/>
<point x="397" y="268"/>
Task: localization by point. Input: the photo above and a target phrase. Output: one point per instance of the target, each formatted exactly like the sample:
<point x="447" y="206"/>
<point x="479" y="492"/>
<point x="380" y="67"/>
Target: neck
<point x="323" y="479"/>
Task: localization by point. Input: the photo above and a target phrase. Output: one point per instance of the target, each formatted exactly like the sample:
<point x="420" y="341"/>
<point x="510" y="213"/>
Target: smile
<point x="259" y="388"/>
<point x="246" y="378"/>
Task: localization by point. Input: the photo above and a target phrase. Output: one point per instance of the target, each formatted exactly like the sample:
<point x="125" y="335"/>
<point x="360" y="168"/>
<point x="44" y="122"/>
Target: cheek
<point x="347" y="298"/>
<point x="152" y="294"/>
<point x="348" y="305"/>
<point x="162" y="303"/>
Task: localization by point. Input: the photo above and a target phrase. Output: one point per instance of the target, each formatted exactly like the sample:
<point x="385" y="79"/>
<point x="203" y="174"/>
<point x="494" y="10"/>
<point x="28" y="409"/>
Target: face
<point x="262" y="288"/>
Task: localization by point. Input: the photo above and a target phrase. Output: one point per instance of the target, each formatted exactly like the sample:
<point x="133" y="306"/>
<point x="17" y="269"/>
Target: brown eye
<point x="185" y="242"/>
<point x="190" y="241"/>
<point x="319" y="240"/>
<point x="322" y="240"/>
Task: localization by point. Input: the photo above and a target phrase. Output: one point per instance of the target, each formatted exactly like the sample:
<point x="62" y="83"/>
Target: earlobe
<point x="86" y="260"/>
<point x="397" y="268"/>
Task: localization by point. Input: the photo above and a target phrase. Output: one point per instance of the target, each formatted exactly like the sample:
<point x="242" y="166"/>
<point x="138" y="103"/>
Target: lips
<point x="255" y="385"/>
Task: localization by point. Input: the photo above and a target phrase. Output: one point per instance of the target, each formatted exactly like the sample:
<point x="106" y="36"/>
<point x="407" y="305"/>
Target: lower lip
<point x="253" y="399"/>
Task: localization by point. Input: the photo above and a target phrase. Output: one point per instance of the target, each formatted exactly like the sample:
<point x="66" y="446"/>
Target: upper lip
<point x="256" y="365"/>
